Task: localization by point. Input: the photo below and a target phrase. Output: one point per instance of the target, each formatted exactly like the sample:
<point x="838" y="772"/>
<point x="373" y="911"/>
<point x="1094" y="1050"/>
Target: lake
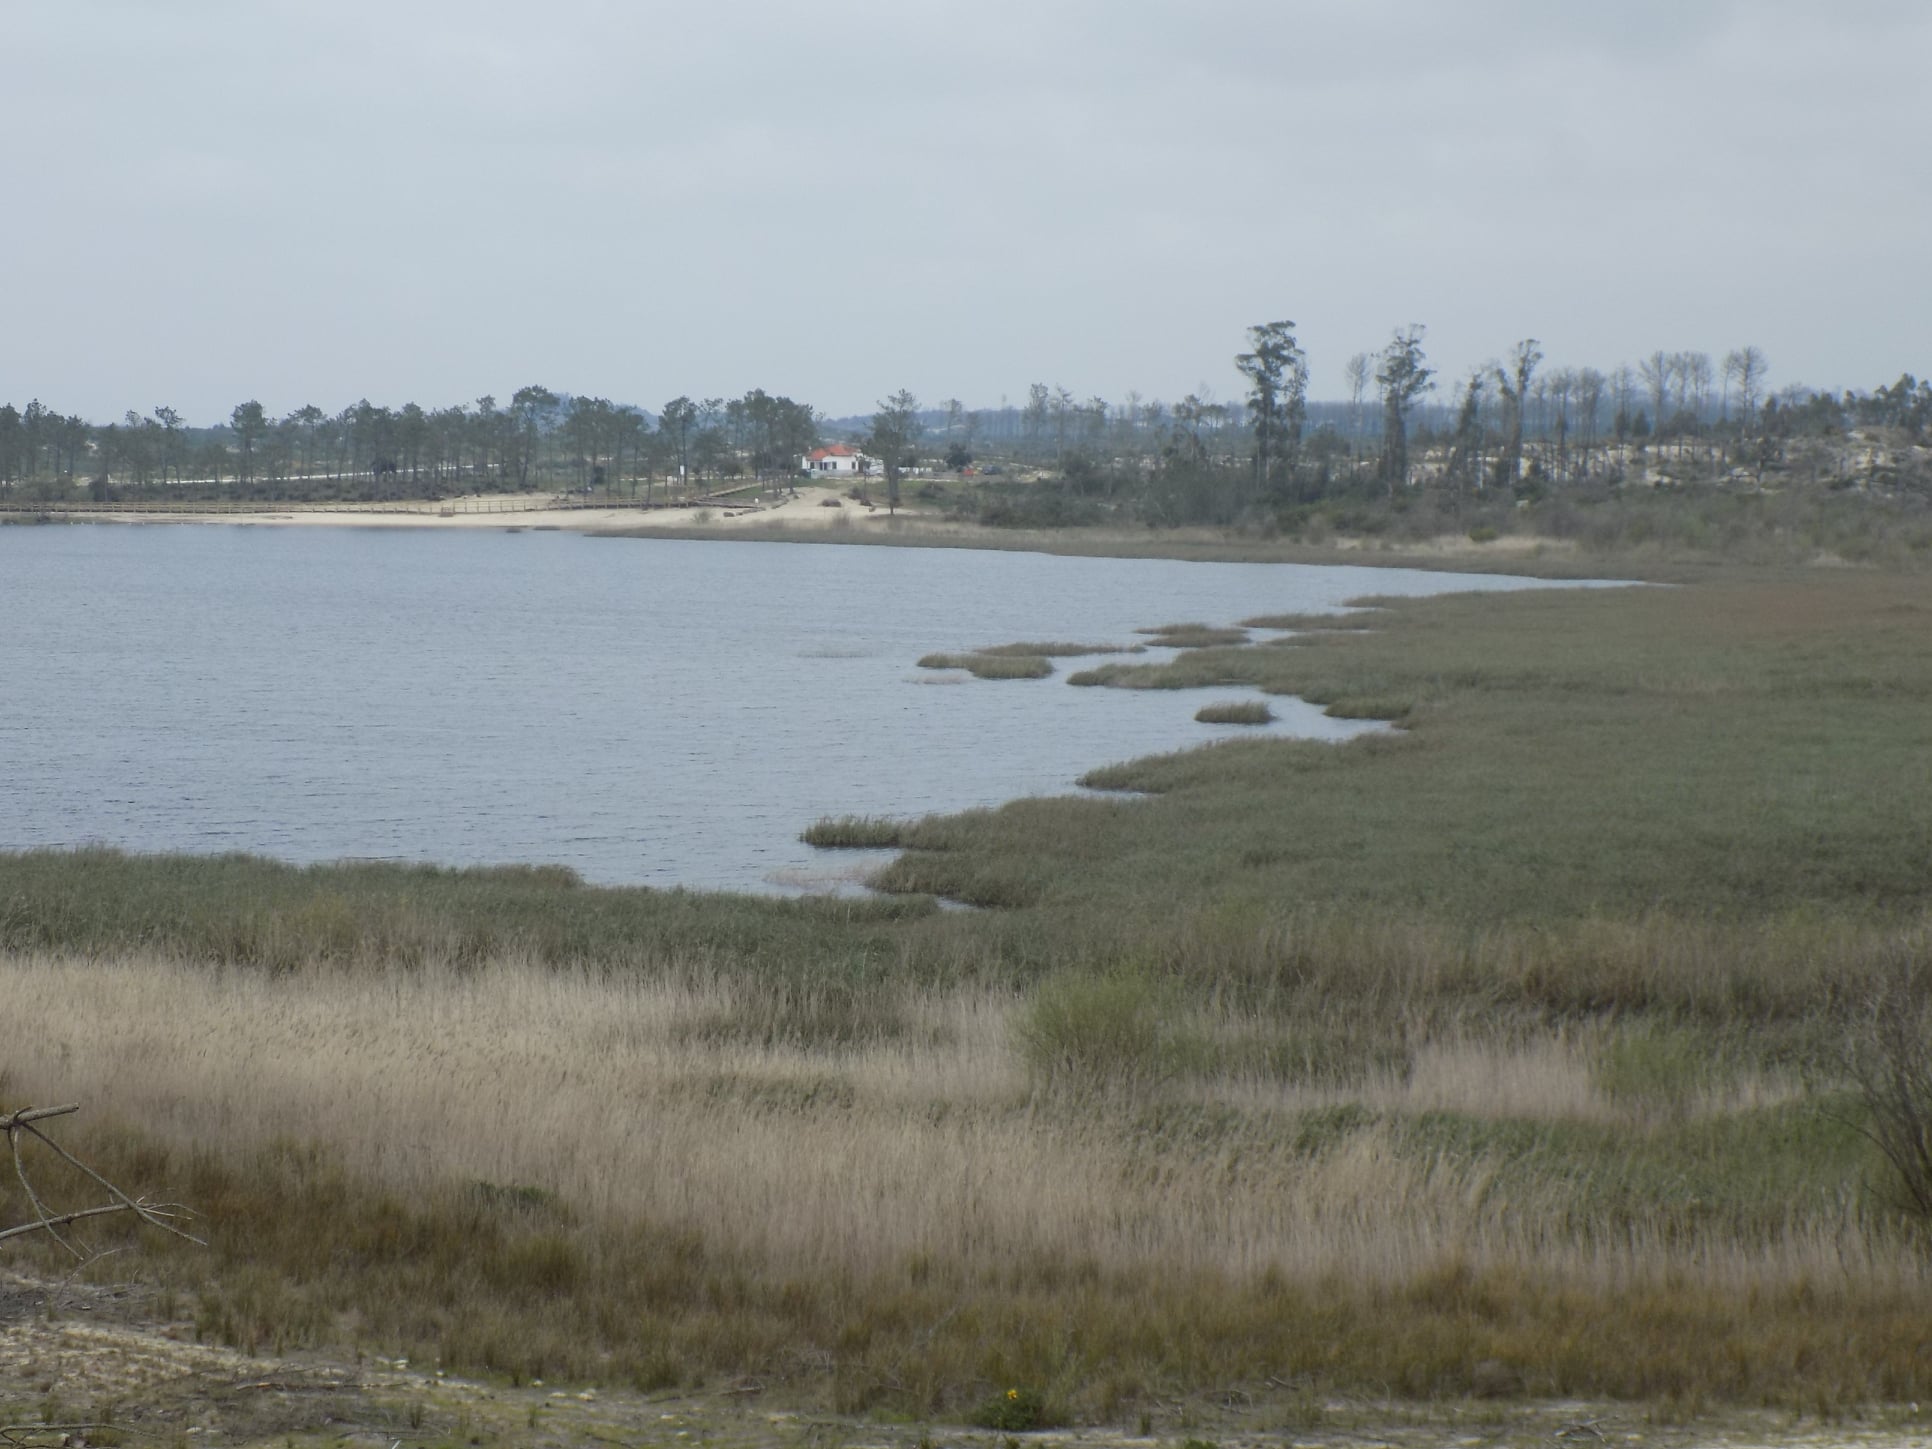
<point x="655" y="712"/>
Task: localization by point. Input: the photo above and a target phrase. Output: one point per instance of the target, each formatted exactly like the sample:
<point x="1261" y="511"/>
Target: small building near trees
<point x="839" y="460"/>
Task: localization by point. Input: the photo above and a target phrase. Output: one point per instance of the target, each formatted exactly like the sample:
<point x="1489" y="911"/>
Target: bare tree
<point x="1590" y="385"/>
<point x="1514" y="384"/>
<point x="1657" y="371"/>
<point x="1561" y="385"/>
<point x="1466" y="456"/>
<point x="1698" y="376"/>
<point x="1746" y="366"/>
<point x="1360" y="368"/>
<point x="1890" y="1060"/>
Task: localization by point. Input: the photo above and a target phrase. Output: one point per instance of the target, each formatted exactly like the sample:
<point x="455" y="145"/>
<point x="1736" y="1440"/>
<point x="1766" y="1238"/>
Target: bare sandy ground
<point x="824" y="514"/>
<point x="810" y="508"/>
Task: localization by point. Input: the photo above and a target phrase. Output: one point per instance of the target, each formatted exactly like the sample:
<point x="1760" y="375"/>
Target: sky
<point x="207" y="201"/>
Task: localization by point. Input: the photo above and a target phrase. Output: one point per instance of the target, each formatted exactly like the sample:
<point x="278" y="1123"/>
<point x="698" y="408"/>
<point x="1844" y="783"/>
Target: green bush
<point x="1016" y="1411"/>
<point x="1120" y="1026"/>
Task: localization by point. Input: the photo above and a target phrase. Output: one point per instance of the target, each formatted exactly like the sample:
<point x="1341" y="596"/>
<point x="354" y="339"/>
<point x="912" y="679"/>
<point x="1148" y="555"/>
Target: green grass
<point x="991" y="666"/>
<point x="1239" y="711"/>
<point x="856" y="832"/>
<point x="1194" y="636"/>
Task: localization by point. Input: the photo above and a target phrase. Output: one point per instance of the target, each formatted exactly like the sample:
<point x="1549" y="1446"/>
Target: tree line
<point x="539" y="439"/>
<point x="1511" y="424"/>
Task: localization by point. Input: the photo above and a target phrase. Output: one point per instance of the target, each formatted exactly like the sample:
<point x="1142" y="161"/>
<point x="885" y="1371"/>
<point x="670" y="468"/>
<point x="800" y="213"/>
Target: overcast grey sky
<point x="203" y="201"/>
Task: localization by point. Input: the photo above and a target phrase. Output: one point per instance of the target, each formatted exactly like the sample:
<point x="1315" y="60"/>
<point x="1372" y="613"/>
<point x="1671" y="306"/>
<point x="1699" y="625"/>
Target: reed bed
<point x="532" y="1137"/>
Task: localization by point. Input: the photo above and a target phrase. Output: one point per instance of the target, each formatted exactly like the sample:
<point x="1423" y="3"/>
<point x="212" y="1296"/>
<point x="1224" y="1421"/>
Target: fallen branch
<point x="22" y="1125"/>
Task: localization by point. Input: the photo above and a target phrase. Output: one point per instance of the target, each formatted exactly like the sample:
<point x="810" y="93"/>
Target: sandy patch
<point x="811" y="507"/>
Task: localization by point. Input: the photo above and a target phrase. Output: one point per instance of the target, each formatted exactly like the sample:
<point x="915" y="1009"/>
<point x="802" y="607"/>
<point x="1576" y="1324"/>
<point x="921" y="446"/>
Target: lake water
<point x="646" y="711"/>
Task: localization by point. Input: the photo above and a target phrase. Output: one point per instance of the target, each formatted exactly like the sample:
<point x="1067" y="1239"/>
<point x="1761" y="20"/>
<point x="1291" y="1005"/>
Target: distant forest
<point x="1513" y="427"/>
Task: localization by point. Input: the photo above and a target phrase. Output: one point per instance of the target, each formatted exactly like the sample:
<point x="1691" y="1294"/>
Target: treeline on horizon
<point x="1511" y="425"/>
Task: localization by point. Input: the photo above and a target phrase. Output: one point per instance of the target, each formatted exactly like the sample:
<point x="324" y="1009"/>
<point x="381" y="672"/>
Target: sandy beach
<point x="810" y="507"/>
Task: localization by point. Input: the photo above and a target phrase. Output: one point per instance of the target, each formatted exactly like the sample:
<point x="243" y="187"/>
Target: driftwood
<point x="23" y="1126"/>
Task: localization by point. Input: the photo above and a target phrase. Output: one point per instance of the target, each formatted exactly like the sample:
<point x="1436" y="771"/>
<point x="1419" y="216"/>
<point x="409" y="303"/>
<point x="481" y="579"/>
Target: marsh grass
<point x="1056" y="649"/>
<point x="1354" y="618"/>
<point x="1240" y="712"/>
<point x="991" y="666"/>
<point x="856" y="832"/>
<point x="1194" y="636"/>
<point x="1515" y="1038"/>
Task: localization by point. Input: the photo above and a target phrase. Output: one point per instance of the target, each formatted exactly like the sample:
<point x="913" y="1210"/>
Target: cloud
<point x="437" y="199"/>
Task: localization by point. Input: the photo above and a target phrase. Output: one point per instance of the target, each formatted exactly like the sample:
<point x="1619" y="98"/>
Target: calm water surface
<point x="646" y="711"/>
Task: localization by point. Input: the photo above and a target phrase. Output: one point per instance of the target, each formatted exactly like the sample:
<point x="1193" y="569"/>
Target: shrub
<point x="1120" y="1026"/>
<point x="1016" y="1411"/>
<point x="1890" y="1059"/>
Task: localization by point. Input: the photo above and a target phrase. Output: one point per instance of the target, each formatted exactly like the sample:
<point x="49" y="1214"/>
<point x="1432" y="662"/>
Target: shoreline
<point x="823" y="515"/>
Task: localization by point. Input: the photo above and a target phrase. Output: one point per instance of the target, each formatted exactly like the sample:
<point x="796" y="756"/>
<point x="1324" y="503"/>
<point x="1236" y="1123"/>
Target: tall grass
<point x="532" y="1171"/>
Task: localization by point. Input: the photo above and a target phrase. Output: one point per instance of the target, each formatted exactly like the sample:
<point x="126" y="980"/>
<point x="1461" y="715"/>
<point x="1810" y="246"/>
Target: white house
<point x="840" y="460"/>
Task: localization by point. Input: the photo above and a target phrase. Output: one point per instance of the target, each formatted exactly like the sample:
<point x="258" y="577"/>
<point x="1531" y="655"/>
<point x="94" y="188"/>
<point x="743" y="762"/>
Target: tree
<point x="308" y="418"/>
<point x="895" y="431"/>
<point x="1033" y="417"/>
<point x="1657" y="371"/>
<point x="1466" y="455"/>
<point x="1360" y="368"/>
<point x="1277" y="374"/>
<point x="11" y="444"/>
<point x="1590" y="385"/>
<point x="1403" y="379"/>
<point x="1514" y="384"/>
<point x="677" y="422"/>
<point x="170" y="422"/>
<point x="531" y="409"/>
<point x="249" y="423"/>
<point x="1746" y="366"/>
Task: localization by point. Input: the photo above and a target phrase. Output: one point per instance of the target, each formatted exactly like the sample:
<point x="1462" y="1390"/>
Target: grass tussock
<point x="1238" y="711"/>
<point x="991" y="666"/>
